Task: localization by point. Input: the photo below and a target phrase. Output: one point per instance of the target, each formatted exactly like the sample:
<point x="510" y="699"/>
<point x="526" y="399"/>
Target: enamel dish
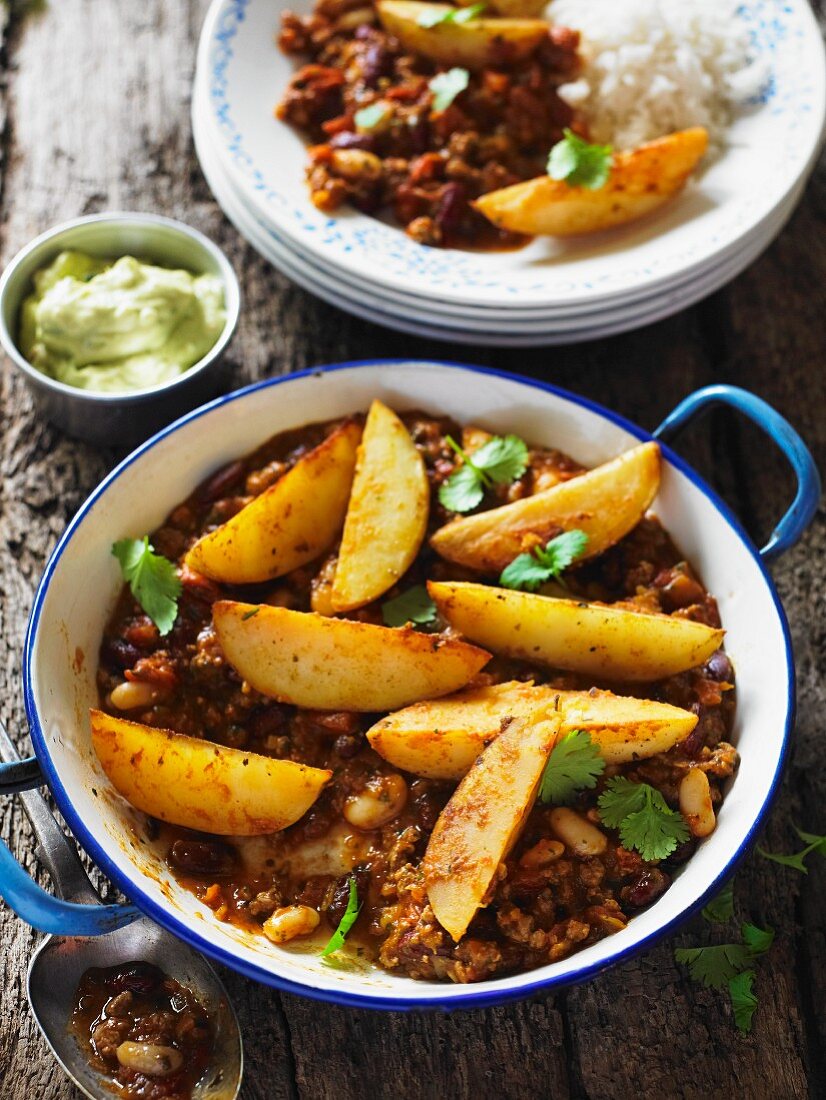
<point x="82" y="581"/>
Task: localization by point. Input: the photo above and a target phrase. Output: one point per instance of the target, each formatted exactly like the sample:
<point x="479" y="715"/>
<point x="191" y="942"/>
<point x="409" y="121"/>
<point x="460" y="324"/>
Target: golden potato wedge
<point x="471" y="45"/>
<point x="441" y="739"/>
<point x="483" y="818"/>
<point x="335" y="664"/>
<point x="605" y="503"/>
<point x="289" y="524"/>
<point x="641" y="180"/>
<point x="606" y="642"/>
<point x="194" y="783"/>
<point x="387" y="514"/>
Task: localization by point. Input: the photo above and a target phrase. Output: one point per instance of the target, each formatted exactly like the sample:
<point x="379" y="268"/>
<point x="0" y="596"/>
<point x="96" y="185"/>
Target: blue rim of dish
<point x="476" y="997"/>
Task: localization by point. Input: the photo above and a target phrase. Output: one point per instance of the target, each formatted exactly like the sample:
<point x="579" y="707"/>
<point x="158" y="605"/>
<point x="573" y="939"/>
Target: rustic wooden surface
<point x="94" y="115"/>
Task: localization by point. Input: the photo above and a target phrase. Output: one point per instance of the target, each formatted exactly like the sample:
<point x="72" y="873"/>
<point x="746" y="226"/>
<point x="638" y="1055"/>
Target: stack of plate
<point x="550" y="291"/>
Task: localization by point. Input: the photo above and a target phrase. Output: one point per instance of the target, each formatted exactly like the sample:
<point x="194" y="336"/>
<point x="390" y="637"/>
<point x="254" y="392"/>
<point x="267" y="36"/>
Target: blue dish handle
<point x="49" y="914"/>
<point x="805" y="503"/>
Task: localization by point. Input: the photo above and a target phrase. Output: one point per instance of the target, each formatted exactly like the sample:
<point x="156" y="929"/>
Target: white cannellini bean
<point x="381" y="800"/>
<point x="695" y="803"/>
<point x="132" y="694"/>
<point x="291" y="921"/>
<point x="354" y="164"/>
<point x="148" y="1058"/>
<point x="578" y="835"/>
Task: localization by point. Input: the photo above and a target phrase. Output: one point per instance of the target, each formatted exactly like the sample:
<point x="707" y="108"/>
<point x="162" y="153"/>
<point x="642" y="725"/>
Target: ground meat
<point x="425" y="166"/>
<point x="545" y="901"/>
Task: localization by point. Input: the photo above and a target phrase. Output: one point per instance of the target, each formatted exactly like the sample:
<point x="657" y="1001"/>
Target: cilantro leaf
<point x="574" y="764"/>
<point x="499" y="461"/>
<point x="721" y="907"/>
<point x="757" y="940"/>
<point x="529" y="572"/>
<point x="714" y="966"/>
<point x="580" y="163"/>
<point x="368" y="118"/>
<point x="412" y="606"/>
<point x="446" y="86"/>
<point x="814" y="843"/>
<point x="350" y="917"/>
<point x="644" y="819"/>
<point x="743" y="1001"/>
<point x="436" y="17"/>
<point x="152" y="578"/>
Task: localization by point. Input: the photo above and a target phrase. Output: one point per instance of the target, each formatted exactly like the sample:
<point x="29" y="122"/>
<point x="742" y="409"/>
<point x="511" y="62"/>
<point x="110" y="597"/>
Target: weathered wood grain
<point x="94" y="115"/>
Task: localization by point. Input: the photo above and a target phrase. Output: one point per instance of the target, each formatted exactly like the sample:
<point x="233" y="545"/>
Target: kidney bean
<point x="221" y="483"/>
<point x="377" y="63"/>
<point x="115" y="651"/>
<point x="718" y="667"/>
<point x="452" y="208"/>
<point x="648" y="886"/>
<point x="348" y="140"/>
<point x="340" y="894"/>
<point x="200" y="857"/>
<point x="135" y="977"/>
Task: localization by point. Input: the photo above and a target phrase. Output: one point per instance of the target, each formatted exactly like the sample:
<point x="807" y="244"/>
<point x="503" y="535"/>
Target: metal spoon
<point x="58" y="963"/>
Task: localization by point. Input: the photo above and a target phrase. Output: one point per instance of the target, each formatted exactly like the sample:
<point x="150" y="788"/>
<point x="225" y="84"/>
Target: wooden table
<point x="94" y="115"/>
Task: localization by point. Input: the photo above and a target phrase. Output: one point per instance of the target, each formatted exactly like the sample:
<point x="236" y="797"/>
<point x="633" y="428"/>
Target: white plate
<point x="416" y="321"/>
<point x="487" y="318"/>
<point x="771" y="150"/>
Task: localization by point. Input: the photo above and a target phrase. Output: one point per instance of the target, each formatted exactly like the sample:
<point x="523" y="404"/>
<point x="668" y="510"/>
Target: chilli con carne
<point x="379" y="142"/>
<point x="372" y="822"/>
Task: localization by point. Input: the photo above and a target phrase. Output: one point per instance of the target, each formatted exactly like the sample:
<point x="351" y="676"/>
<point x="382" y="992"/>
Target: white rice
<point x="655" y="66"/>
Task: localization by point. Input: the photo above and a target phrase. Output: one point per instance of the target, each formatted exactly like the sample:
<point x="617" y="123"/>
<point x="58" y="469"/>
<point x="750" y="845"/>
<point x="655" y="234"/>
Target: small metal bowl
<point x="123" y="418"/>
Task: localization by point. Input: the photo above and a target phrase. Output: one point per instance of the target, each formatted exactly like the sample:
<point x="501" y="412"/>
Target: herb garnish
<point x="644" y="819"/>
<point x="152" y="579"/>
<point x="721" y="907"/>
<point x="250" y="614"/>
<point x="574" y="765"/>
<point x="529" y="572"/>
<point x="727" y="965"/>
<point x="743" y="1001"/>
<point x="813" y="842"/>
<point x="346" y="923"/>
<point x="368" y="118"/>
<point x="499" y="461"/>
<point x="580" y="163"/>
<point x="438" y="18"/>
<point x="413" y="606"/>
<point x="446" y="86"/>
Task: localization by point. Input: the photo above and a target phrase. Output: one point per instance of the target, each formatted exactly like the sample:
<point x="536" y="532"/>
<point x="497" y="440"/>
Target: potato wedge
<point x="336" y="664"/>
<point x="289" y="524"/>
<point x="483" y="818"/>
<point x="471" y="45"/>
<point x="602" y="641"/>
<point x="441" y="739"/>
<point x="641" y="180"/>
<point x="387" y="514"/>
<point x="515" y="9"/>
<point x="605" y="503"/>
<point x="199" y="785"/>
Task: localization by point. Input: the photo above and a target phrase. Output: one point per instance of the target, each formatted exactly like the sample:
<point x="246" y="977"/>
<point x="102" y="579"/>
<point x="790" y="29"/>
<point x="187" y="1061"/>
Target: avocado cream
<point x="118" y="326"/>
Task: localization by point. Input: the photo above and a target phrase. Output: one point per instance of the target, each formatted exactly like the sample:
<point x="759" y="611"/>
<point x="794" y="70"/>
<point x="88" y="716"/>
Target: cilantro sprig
<point x="413" y="606"/>
<point x="574" y="765"/>
<point x="579" y="163"/>
<point x="152" y="579"/>
<point x="813" y="842"/>
<point x="336" y="941"/>
<point x="438" y="18"/>
<point x="370" y="118"/>
<point x="644" y="819"/>
<point x="721" y="907"/>
<point x="716" y="965"/>
<point x="530" y="571"/>
<point x="446" y="86"/>
<point x="743" y="1000"/>
<point x="500" y="461"/>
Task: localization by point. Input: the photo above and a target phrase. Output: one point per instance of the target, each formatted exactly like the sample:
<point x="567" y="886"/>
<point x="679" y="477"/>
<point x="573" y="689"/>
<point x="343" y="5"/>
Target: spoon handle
<point x="55" y="850"/>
